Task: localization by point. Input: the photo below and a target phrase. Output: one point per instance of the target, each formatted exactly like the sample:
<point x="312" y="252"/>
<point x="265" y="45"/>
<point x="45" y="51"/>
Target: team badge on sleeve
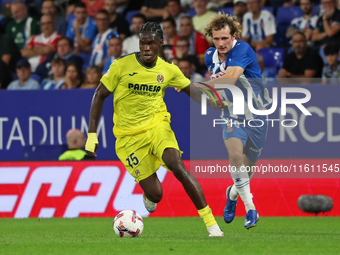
<point x="160" y="78"/>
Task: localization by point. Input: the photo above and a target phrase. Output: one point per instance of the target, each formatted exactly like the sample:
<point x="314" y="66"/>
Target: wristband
<point x="91" y="142"/>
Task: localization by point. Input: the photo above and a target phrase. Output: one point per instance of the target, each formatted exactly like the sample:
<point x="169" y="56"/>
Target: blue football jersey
<point x="88" y="30"/>
<point x="241" y="55"/>
<point x="100" y="47"/>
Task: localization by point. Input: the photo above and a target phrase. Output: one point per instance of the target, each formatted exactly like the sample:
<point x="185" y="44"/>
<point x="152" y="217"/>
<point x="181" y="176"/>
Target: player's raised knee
<point x="172" y="158"/>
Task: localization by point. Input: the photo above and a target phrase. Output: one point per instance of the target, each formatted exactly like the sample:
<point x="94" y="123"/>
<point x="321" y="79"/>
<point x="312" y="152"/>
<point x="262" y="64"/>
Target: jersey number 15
<point x="132" y="160"/>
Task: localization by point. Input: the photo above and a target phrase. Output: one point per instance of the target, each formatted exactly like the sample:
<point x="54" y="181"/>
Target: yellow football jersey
<point x="138" y="93"/>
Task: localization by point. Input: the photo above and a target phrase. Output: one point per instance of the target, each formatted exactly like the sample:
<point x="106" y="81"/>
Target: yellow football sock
<point x="207" y="216"/>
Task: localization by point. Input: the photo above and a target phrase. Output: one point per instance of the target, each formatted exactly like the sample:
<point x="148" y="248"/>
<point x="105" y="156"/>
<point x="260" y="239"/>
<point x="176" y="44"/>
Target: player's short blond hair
<point x="220" y="21"/>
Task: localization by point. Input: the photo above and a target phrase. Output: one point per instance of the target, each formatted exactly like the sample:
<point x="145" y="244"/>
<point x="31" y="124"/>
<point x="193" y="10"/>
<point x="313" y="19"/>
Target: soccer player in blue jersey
<point x="234" y="62"/>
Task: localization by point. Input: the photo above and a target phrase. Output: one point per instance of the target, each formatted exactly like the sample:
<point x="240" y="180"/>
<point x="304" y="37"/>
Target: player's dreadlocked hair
<point x="220" y="21"/>
<point x="152" y="27"/>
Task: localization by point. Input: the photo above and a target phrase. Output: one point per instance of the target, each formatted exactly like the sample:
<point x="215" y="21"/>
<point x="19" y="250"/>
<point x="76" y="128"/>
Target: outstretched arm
<point x="98" y="99"/>
<point x="230" y="77"/>
<point x="196" y="95"/>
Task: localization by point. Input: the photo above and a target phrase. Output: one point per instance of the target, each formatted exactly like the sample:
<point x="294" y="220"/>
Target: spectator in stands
<point x="65" y="50"/>
<point x="169" y="30"/>
<point x="93" y="75"/>
<point x="198" y="42"/>
<point x="182" y="51"/>
<point x="76" y="143"/>
<point x="24" y="81"/>
<point x="118" y="23"/>
<point x="331" y="71"/>
<point x="174" y="10"/>
<point x="258" y="26"/>
<point x="73" y="76"/>
<point x="305" y="23"/>
<point x="115" y="51"/>
<point x="240" y="8"/>
<point x="93" y="6"/>
<point x="9" y="52"/>
<point x="303" y="62"/>
<point x="82" y="30"/>
<point x="131" y="44"/>
<point x="58" y="67"/>
<point x="22" y="27"/>
<point x="203" y="15"/>
<point x="5" y="77"/>
<point x="188" y="70"/>
<point x="100" y="44"/>
<point x="153" y="10"/>
<point x="39" y="46"/>
<point x="328" y="26"/>
<point x="48" y="8"/>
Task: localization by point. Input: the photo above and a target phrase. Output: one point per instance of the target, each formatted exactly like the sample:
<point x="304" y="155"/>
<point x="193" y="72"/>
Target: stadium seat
<point x="86" y="57"/>
<point x="280" y="38"/>
<point x="36" y="77"/>
<point x="287" y="14"/>
<point x="270" y="9"/>
<point x="129" y="15"/>
<point x="191" y="12"/>
<point x="316" y="9"/>
<point x="273" y="58"/>
<point x="227" y="10"/>
<point x="283" y="18"/>
<point x="277" y="3"/>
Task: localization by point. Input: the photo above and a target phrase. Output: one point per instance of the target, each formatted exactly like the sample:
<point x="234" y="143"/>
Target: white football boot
<point x="215" y="231"/>
<point x="149" y="205"/>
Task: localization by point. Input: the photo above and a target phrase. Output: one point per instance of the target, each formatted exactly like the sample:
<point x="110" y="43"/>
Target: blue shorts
<point x="252" y="134"/>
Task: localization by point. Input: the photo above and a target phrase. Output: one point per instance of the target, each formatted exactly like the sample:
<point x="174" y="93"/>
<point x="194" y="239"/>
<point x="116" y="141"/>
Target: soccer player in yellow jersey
<point x="142" y="124"/>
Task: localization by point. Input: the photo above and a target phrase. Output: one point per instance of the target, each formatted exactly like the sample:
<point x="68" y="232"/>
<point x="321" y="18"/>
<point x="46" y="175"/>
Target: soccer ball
<point x="128" y="223"/>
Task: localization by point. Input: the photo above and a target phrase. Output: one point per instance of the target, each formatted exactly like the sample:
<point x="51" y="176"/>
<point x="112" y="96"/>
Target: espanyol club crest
<point x="160" y="78"/>
<point x="223" y="66"/>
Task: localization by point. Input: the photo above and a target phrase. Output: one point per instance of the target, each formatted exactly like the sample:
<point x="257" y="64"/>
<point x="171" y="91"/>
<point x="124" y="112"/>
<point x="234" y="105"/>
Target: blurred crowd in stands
<point x="66" y="44"/>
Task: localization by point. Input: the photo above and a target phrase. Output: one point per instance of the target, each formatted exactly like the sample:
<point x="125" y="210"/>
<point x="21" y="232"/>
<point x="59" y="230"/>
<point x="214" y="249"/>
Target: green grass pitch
<point x="310" y="235"/>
